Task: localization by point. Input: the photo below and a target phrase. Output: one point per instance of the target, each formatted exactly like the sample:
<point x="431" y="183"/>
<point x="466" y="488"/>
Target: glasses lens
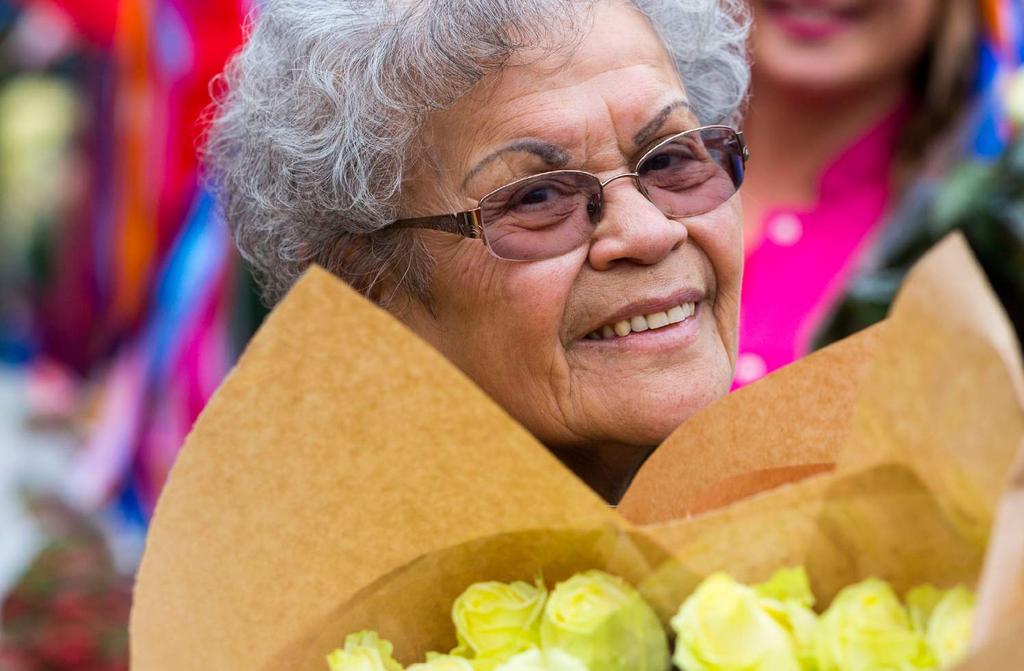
<point x="693" y="173"/>
<point x="541" y="217"/>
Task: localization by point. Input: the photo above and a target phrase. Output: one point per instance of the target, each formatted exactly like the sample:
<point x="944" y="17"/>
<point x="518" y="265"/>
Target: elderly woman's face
<point x="520" y="329"/>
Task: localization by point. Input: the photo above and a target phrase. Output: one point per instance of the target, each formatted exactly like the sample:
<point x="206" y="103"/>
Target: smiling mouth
<point x="645" y="322"/>
<point x="813" y="19"/>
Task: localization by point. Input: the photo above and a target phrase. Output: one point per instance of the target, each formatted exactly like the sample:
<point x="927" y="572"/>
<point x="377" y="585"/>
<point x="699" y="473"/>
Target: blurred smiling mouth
<point x="812" y="19"/>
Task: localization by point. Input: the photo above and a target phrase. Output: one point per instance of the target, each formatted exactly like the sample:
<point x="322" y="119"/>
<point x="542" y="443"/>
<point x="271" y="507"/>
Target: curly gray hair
<point x="320" y="111"/>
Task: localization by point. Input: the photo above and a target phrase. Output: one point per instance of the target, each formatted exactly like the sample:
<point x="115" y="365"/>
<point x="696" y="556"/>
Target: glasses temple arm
<point x="466" y="224"/>
<point x="744" y="149"/>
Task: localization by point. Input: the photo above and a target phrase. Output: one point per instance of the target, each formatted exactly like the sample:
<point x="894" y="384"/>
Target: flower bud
<point x="866" y="628"/>
<point x="552" y="659"/>
<point x="363" y="651"/>
<point x="788" y="584"/>
<point x="724" y="626"/>
<point x="921" y="601"/>
<point x="495" y="620"/>
<point x="947" y="626"/>
<point x="787" y="597"/>
<point x="602" y="621"/>
<point x="439" y="662"/>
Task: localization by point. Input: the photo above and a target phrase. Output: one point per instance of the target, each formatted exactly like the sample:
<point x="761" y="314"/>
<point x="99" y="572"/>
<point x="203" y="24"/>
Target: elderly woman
<point x="544" y="190"/>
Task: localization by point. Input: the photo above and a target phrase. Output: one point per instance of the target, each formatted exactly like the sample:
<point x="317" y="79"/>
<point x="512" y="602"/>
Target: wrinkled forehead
<point x="613" y="72"/>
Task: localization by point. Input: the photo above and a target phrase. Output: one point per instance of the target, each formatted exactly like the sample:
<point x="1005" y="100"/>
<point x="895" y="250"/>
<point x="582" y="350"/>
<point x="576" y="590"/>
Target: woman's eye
<point x="658" y="162"/>
<point x="535" y="196"/>
<point x="542" y="196"/>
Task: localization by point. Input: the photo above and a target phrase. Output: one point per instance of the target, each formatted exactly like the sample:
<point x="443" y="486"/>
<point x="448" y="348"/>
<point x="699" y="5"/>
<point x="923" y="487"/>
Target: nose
<point x="632" y="229"/>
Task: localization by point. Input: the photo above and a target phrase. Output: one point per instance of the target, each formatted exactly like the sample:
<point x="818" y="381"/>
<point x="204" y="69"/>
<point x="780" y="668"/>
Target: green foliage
<point x="983" y="200"/>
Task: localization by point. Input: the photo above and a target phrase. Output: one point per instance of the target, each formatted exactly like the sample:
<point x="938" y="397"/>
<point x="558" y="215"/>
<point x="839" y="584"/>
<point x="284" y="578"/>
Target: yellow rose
<point x="552" y="659"/>
<point x="488" y="662"/>
<point x="438" y="662"/>
<point x="602" y="621"/>
<point x="364" y="651"/>
<point x="788" y="584"/>
<point x="921" y="601"/>
<point x="724" y="626"/>
<point x="867" y="629"/>
<point x="787" y="597"/>
<point x="948" y="626"/>
<point x="495" y="620"/>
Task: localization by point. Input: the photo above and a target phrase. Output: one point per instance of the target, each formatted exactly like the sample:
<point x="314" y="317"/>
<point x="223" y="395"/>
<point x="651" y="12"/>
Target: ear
<point x="391" y="268"/>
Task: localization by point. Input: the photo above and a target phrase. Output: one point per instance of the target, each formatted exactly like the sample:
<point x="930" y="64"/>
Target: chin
<point x="668" y="410"/>
<point x="813" y="76"/>
<point x="652" y="431"/>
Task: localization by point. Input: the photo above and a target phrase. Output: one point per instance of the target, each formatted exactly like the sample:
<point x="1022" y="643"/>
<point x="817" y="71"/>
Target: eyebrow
<point x="556" y="157"/>
<point x="552" y="155"/>
<point x="645" y="134"/>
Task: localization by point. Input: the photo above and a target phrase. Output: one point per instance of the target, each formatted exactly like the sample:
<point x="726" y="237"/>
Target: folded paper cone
<point x="1001" y="592"/>
<point x="342" y="449"/>
<point x="944" y="392"/>
<point x="1003" y="652"/>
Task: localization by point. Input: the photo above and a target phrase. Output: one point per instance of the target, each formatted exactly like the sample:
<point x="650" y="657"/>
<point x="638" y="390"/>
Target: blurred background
<point x="123" y="303"/>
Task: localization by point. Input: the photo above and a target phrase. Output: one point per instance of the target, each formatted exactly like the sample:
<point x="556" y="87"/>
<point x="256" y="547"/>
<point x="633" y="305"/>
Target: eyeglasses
<point x="552" y="213"/>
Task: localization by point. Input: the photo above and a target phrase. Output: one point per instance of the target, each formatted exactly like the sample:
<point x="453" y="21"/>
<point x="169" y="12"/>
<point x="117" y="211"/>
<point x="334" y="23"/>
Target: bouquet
<point x="596" y="621"/>
<point x="346" y="478"/>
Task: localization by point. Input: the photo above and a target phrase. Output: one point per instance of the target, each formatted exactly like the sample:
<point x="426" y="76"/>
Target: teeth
<point x="656" y="320"/>
<point x="640" y="323"/>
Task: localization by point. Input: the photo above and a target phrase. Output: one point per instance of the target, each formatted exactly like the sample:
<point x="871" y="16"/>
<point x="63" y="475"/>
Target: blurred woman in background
<point x="851" y="101"/>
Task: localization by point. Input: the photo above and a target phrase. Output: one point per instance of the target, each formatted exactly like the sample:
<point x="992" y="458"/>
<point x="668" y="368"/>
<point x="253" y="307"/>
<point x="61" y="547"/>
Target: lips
<point x="649" y="315"/>
<point x="647" y="322"/>
<point x="812" y="19"/>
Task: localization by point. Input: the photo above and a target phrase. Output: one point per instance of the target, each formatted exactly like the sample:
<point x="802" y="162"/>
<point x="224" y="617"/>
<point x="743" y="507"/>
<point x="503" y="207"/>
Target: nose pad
<point x="631" y="175"/>
<point x="595" y="207"/>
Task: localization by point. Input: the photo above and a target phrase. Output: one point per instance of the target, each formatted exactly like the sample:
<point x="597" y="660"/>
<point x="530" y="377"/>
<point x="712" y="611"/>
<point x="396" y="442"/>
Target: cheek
<point x="532" y="300"/>
<point x="913" y="27"/>
<point x="506" y="335"/>
<point x="491" y="312"/>
<point x="895" y="38"/>
<point x="720" y="235"/>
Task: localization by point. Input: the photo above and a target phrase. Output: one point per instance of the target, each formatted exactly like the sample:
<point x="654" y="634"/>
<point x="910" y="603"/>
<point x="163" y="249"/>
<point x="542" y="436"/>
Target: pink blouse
<point x="805" y="257"/>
